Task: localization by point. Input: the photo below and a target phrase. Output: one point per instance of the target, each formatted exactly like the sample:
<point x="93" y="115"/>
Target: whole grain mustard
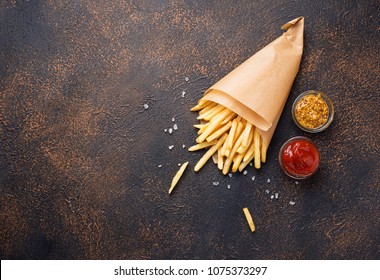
<point x="312" y="111"/>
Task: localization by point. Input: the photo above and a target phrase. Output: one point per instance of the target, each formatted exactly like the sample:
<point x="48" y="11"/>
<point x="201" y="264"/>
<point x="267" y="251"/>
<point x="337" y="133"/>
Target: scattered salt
<point x="268" y="180"/>
<point x="165" y="130"/>
<point x="171" y="147"/>
<point x="173" y="119"/>
<point x="267" y="191"/>
<point x="276" y="195"/>
<point x="245" y="172"/>
<point x="170" y="130"/>
<point x="250" y="164"/>
<point x="179" y="164"/>
<point x="183" y="146"/>
<point x="253" y="178"/>
<point x="187" y="79"/>
<point x="160" y="165"/>
<point x="296" y="182"/>
<point x="272" y="196"/>
<point x="230" y="174"/>
<point x="215" y="183"/>
<point x="175" y="126"/>
<point x="146" y="106"/>
<point x="228" y="186"/>
<point x="292" y="202"/>
<point x="183" y="93"/>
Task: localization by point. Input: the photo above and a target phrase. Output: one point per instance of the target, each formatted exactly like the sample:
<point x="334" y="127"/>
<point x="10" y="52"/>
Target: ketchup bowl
<point x="299" y="157"/>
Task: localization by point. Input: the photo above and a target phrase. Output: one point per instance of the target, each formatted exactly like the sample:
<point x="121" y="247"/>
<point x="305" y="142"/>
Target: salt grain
<point x="215" y="183"/>
<point x="268" y="180"/>
<point x="253" y="178"/>
<point x="187" y="79"/>
<point x="183" y="93"/>
<point x="276" y="195"/>
<point x="146" y="106"/>
<point x="165" y="130"/>
<point x="173" y="119"/>
<point x="267" y="191"/>
<point x="272" y="196"/>
<point x="296" y="182"/>
<point x="292" y="202"/>
<point x="170" y="130"/>
<point x="228" y="186"/>
<point x="179" y="164"/>
<point x="171" y="147"/>
<point x="250" y="164"/>
<point x="183" y="146"/>
<point x="230" y="174"/>
<point x="160" y="165"/>
<point x="175" y="126"/>
<point x="245" y="172"/>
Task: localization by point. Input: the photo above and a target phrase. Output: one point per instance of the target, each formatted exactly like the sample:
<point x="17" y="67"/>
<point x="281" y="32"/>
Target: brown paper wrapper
<point x="258" y="89"/>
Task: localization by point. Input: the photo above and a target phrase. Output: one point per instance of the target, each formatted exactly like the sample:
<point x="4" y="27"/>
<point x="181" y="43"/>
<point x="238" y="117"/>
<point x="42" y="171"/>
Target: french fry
<point x="208" y="107"/>
<point x="264" y="148"/>
<point x="250" y="152"/>
<point x="215" y="158"/>
<point x="249" y="219"/>
<point x="214" y="123"/>
<point x="229" y="117"/>
<point x="230" y="157"/>
<point x="210" y="113"/>
<point x="199" y="126"/>
<point x="239" y="130"/>
<point x="246" y="140"/>
<point x="202" y="103"/>
<point x="229" y="137"/>
<point x="220" y="159"/>
<point x="203" y="128"/>
<point x="219" y="132"/>
<point x="178" y="176"/>
<point x="244" y="163"/>
<point x="256" y="141"/>
<point x="201" y="146"/>
<point x="209" y="153"/>
<point x="237" y="160"/>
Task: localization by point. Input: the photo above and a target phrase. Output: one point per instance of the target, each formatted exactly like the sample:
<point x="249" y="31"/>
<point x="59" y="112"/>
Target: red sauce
<point x="300" y="158"/>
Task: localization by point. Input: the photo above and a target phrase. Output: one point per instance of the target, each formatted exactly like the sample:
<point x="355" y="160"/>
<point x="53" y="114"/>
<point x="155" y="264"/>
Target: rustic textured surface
<point x="79" y="155"/>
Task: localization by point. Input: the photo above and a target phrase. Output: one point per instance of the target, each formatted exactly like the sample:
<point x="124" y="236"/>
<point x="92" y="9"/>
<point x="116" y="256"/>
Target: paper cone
<point x="258" y="89"/>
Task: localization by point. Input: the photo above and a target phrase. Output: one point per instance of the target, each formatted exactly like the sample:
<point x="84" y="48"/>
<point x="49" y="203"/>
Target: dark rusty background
<point x="80" y="154"/>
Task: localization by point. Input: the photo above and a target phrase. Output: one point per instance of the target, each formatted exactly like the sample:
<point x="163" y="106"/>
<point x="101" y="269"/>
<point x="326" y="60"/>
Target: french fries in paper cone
<point x="256" y="91"/>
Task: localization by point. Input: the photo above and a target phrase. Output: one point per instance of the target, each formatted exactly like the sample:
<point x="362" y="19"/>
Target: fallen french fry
<point x="178" y="176"/>
<point x="249" y="219"/>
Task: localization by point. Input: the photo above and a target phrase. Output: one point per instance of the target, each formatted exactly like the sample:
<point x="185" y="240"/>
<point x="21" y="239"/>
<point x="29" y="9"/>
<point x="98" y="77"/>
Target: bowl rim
<point x="329" y="104"/>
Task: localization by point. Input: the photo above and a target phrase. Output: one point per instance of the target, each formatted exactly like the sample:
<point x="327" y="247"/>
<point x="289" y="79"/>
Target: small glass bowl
<point x="329" y="105"/>
<point x="289" y="172"/>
